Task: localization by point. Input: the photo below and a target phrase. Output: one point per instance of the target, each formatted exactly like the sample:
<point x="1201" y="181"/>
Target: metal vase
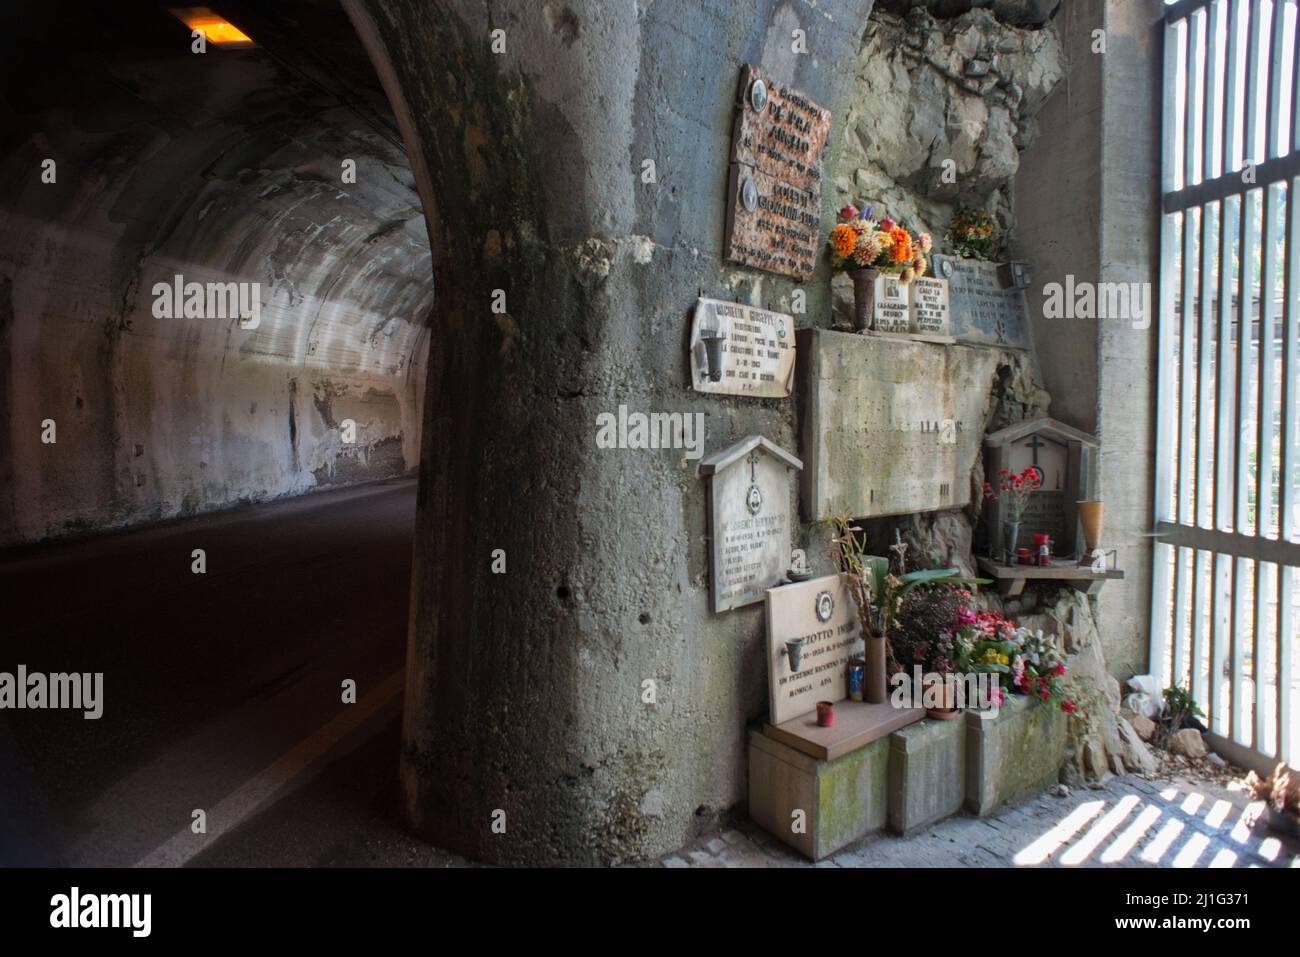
<point x="1010" y="535"/>
<point x="794" y="650"/>
<point x="864" y="293"/>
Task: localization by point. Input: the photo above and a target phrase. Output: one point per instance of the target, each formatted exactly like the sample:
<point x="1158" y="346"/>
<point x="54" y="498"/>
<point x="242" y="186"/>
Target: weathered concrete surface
<point x="224" y="166"/>
<point x="927" y="773"/>
<point x="814" y="806"/>
<point x="1011" y="752"/>
<point x="525" y="689"/>
<point x="1087" y="206"/>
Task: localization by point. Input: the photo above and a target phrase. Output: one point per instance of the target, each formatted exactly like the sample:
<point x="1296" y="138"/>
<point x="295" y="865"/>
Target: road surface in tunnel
<point x="221" y="691"/>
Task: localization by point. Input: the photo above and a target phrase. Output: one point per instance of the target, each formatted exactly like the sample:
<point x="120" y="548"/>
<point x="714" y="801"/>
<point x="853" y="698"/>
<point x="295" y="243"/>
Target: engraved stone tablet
<point x="741" y="350"/>
<point x="822" y="613"/>
<point x="749" y="519"/>
<point x="774" y="191"/>
<point x="889" y="305"/>
<point x="890" y="425"/>
<point x="929" y="301"/>
<point x="982" y="310"/>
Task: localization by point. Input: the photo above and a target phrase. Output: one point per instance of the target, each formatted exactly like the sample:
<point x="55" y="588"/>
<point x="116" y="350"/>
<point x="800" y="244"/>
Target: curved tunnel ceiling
<point x="223" y="166"/>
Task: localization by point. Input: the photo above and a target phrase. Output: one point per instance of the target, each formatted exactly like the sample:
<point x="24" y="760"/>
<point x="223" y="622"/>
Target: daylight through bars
<point x="1224" y="612"/>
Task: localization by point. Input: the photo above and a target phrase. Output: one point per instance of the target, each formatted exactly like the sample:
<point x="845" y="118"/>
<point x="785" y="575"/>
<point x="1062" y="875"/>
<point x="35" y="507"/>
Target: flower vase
<point x="1010" y="534"/>
<point x="944" y="692"/>
<point x="864" y="292"/>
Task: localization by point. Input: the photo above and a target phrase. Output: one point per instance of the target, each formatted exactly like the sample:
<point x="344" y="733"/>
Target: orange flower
<point x="842" y="239"/>
<point x="901" y="251"/>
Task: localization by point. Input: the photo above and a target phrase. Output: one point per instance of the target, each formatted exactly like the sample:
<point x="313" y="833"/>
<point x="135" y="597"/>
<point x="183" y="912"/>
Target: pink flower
<point x="848" y="212"/>
<point x="965" y="616"/>
<point x="1069" y="707"/>
<point x="887" y="224"/>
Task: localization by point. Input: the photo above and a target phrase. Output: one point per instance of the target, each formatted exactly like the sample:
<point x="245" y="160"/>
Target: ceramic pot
<point x="947" y="695"/>
<point x="1090" y="519"/>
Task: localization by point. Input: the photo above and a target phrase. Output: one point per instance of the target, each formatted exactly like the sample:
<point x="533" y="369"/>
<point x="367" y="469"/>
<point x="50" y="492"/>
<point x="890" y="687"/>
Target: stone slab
<point x="756" y="350"/>
<point x="774" y="189"/>
<point x="842" y="800"/>
<point x="982" y="311"/>
<point x="821" y="612"/>
<point x="927" y="773"/>
<point x="749" y="520"/>
<point x="888" y="426"/>
<point x="857" y="723"/>
<point x="1012" y="752"/>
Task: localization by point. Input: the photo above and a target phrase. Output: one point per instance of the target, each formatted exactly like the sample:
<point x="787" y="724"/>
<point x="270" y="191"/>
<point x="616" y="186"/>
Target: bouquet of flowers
<point x="859" y="241"/>
<point x="1017" y="487"/>
<point x="1027" y="663"/>
<point x="971" y="234"/>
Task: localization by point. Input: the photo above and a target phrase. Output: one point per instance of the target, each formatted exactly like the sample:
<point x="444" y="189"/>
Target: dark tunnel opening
<point x="215" y="298"/>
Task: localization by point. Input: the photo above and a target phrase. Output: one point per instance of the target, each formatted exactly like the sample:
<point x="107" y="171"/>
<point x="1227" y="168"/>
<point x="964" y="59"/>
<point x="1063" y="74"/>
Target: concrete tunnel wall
<point x="525" y="689"/>
<point x="224" y="166"/>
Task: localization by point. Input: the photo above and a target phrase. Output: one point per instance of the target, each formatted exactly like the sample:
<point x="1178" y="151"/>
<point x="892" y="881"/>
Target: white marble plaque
<point x="822" y="613"/>
<point x="889" y="305"/>
<point x="752" y="348"/>
<point x="929" y="301"/>
<point x="749" y="520"/>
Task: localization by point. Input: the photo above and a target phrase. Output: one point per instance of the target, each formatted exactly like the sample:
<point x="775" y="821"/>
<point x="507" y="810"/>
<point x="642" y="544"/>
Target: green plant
<point x="972" y="234"/>
<point x="1179" y="707"/>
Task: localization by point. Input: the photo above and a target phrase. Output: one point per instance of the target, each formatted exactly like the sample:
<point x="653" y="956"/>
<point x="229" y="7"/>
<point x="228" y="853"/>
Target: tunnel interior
<point x="140" y="173"/>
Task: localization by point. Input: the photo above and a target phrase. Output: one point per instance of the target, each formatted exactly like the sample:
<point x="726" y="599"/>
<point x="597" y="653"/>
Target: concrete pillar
<point x="1087" y="206"/>
<point x="526" y="690"/>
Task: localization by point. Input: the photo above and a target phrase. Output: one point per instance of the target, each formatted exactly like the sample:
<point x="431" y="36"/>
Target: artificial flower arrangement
<point x="971" y="234"/>
<point x="859" y="241"/>
<point x="1015" y="487"/>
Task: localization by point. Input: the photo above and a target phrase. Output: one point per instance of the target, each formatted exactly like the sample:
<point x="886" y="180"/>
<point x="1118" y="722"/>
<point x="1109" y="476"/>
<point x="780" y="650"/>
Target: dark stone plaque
<point x="981" y="310"/>
<point x="774" y="190"/>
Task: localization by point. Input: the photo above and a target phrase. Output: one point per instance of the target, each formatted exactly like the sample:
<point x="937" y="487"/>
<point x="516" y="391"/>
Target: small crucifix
<point x="899" y="548"/>
<point x="753" y="466"/>
<point x="1035" y="443"/>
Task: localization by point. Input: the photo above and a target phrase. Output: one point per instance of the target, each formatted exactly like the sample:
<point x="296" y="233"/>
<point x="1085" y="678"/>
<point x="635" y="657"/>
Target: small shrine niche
<point x="1065" y="460"/>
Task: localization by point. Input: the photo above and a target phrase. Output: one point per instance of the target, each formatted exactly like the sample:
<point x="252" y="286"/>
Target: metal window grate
<point x="1227" y="560"/>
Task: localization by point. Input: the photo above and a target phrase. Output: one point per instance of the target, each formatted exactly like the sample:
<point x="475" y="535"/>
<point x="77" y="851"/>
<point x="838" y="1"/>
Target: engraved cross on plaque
<point x="1035" y="443"/>
<point x="753" y="466"/>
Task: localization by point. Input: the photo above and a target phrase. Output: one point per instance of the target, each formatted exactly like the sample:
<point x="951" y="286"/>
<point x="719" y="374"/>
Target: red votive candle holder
<point x="825" y="714"/>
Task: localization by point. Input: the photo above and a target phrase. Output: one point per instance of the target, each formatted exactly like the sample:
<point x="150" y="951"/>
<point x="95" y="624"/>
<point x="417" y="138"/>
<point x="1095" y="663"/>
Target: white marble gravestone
<point x="889" y="304"/>
<point x="749" y="517"/>
<point x="929" y="302"/>
<point x="752" y="353"/>
<point x="822" y="613"/>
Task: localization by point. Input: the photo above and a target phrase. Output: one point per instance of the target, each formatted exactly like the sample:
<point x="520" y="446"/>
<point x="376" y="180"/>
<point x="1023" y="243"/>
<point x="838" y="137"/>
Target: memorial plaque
<point x="749" y="520"/>
<point x="822" y="613"/>
<point x="889" y="304"/>
<point x="982" y="310"/>
<point x="774" y="191"/>
<point x="929" y="300"/>
<point x="1063" y="458"/>
<point x="890" y="425"/>
<point x="741" y="350"/>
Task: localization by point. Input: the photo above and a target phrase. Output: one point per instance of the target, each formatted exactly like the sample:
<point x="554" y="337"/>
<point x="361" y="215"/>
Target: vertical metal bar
<point x="1183" y="569"/>
<point x="1192" y="125"/>
<point x="1286" y="638"/>
<point x="1273" y="141"/>
<point x="1201" y="582"/>
<point x="1250" y="107"/>
<point x="1210" y="226"/>
<point x="1221" y="611"/>
<point x="1212" y="105"/>
<point x="1245" y="311"/>
<point x="1160" y="591"/>
<point x="1229" y="229"/>
<point x="1290" y="466"/>
<point x="1187" y="377"/>
<point x="1231" y="108"/>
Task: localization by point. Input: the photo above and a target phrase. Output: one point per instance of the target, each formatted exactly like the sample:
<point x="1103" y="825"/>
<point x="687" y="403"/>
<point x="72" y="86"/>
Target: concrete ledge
<point x="1012" y="752"/>
<point x="842" y="800"/>
<point x="927" y="773"/>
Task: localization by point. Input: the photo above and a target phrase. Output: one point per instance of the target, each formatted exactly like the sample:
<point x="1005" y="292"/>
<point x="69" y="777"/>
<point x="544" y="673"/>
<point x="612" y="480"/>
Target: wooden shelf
<point x="1011" y="579"/>
<point x="856" y="725"/>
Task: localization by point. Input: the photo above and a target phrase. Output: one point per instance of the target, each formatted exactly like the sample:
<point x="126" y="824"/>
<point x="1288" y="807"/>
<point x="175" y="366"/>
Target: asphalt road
<point x="222" y="692"/>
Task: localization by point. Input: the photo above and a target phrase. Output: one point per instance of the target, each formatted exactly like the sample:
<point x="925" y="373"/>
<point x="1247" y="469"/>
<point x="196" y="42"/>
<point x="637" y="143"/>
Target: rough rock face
<point x="1101" y="740"/>
<point x="941" y="111"/>
<point x="1018" y="13"/>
